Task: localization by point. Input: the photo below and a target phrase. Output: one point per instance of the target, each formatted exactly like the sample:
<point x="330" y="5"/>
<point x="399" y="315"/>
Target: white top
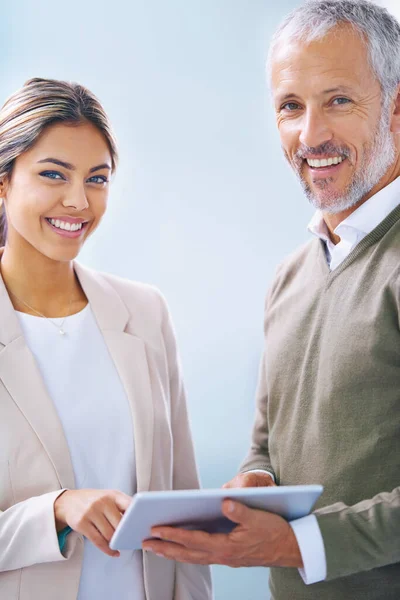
<point x="94" y="411"/>
<point x="351" y="231"/>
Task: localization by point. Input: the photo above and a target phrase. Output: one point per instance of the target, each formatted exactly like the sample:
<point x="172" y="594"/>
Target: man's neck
<point x="333" y="220"/>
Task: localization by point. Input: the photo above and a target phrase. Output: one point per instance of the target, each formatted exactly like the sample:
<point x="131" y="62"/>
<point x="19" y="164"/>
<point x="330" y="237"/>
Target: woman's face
<point x="58" y="190"/>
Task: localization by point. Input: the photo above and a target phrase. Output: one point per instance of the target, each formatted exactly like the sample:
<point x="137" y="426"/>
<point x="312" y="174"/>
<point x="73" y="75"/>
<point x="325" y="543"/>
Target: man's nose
<point x="76" y="198"/>
<point x="315" y="129"/>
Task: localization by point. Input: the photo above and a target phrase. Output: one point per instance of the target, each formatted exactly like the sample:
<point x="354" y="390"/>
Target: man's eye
<point x="98" y="179"/>
<point x="341" y="101"/>
<point x="290" y="106"/>
<point x="51" y="174"/>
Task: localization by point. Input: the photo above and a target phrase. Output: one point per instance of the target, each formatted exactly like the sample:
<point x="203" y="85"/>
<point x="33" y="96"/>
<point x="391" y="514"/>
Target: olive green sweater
<point x="328" y="409"/>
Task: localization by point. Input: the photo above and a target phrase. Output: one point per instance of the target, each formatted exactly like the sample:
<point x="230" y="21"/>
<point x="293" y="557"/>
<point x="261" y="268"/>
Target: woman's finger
<point x="93" y="535"/>
<point x="112" y="514"/>
<point x="121" y="500"/>
<point x="104" y="526"/>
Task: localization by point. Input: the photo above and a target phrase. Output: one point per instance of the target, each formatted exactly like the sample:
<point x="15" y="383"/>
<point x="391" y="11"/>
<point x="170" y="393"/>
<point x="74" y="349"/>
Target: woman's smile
<point x="68" y="227"/>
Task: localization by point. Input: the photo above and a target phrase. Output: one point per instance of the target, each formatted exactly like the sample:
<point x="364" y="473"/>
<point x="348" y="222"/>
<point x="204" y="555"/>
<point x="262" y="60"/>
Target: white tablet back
<point x="201" y="509"/>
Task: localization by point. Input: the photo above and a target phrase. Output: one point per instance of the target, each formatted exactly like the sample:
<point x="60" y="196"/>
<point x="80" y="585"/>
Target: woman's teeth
<point x="64" y="225"/>
<point x="324" y="162"/>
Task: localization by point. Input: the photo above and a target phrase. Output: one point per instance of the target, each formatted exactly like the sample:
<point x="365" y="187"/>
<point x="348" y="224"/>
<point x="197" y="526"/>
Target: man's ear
<point x="395" y="120"/>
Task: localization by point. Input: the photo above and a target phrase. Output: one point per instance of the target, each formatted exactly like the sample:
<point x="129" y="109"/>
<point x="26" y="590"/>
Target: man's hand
<point x="250" y="479"/>
<point x="93" y="513"/>
<point x="260" y="539"/>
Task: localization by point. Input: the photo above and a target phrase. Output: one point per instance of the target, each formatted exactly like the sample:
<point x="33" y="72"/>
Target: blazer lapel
<point x="23" y="381"/>
<point x="129" y="355"/>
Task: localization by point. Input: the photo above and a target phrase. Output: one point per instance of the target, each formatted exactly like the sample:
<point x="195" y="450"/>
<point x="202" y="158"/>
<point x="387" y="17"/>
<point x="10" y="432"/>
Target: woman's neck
<point x="38" y="284"/>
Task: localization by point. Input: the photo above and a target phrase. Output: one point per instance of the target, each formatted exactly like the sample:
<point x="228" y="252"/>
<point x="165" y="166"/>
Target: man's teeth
<point x="64" y="225"/>
<point x="324" y="162"/>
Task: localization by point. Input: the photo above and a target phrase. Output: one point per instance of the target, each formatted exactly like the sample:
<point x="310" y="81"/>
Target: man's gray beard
<point x="376" y="162"/>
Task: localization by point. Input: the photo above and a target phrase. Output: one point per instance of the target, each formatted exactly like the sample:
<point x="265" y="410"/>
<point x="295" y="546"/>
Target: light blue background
<point x="203" y="204"/>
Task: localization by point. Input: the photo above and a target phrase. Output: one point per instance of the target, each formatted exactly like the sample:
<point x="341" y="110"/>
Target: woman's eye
<point x="98" y="179"/>
<point x="290" y="106"/>
<point x="52" y="175"/>
<point x="341" y="101"/>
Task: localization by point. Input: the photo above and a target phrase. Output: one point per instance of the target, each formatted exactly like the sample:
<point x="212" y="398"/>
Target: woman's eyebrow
<point x="103" y="166"/>
<point x="70" y="167"/>
<point x="56" y="161"/>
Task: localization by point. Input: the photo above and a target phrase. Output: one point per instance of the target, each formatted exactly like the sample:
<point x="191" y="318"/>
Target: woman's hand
<point x="93" y="513"/>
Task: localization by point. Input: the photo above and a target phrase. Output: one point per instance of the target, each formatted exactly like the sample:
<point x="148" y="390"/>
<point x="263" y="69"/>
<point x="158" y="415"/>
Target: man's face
<point x="334" y="132"/>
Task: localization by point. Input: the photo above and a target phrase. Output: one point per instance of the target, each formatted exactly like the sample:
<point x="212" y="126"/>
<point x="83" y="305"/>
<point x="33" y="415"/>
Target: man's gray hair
<point x="379" y="29"/>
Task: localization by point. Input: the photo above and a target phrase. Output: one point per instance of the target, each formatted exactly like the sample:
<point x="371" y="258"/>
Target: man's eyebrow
<point x="293" y="96"/>
<point x="70" y="167"/>
<point x="290" y="96"/>
<point x="340" y="88"/>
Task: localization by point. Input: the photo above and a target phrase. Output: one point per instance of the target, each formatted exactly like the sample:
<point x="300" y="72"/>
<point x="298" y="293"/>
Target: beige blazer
<point x="35" y="464"/>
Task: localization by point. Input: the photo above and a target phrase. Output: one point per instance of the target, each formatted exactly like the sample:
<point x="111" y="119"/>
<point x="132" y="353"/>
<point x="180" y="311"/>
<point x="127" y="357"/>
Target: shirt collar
<point x="365" y="218"/>
<point x="318" y="227"/>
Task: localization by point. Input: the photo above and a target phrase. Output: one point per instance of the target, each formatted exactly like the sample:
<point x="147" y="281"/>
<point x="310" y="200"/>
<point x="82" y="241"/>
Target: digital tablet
<point x="201" y="509"/>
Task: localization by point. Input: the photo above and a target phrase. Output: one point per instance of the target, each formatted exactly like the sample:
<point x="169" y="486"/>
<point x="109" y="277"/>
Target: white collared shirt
<point x="357" y="225"/>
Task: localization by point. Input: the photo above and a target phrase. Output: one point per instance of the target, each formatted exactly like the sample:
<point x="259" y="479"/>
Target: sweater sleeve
<point x="361" y="537"/>
<point x="258" y="457"/>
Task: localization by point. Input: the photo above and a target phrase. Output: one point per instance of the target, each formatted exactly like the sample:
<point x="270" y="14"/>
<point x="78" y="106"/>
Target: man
<point x="329" y="390"/>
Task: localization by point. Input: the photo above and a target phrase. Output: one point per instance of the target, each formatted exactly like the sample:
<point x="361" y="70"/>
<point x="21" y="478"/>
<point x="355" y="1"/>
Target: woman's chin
<point x="59" y="254"/>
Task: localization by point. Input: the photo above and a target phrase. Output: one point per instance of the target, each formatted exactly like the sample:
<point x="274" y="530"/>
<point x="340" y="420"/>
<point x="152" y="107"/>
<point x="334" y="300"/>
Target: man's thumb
<point x="236" y="512"/>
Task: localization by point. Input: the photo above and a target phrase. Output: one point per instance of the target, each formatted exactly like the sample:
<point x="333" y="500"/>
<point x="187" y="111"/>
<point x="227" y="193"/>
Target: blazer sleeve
<point x="361" y="537"/>
<point x="192" y="582"/>
<point x="28" y="534"/>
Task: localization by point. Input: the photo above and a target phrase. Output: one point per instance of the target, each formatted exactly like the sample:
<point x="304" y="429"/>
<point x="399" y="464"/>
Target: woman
<point x="91" y="398"/>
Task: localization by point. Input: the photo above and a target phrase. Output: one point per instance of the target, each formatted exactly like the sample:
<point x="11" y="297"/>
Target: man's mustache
<point x="327" y="148"/>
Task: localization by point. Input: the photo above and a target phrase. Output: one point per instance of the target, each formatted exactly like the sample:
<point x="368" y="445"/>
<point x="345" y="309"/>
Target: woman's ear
<point x="3" y="189"/>
<point x="395" y="121"/>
